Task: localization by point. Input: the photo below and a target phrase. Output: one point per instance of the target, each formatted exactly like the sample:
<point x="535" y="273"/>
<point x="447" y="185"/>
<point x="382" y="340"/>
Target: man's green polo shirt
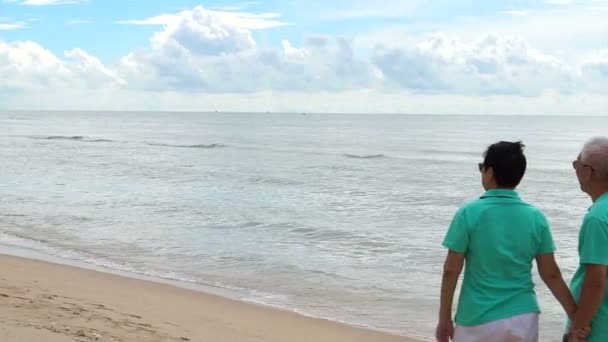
<point x="593" y="249"/>
<point x="500" y="236"/>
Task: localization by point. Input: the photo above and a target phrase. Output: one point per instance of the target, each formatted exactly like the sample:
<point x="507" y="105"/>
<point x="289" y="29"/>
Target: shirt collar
<point x="500" y="193"/>
<point x="603" y="198"/>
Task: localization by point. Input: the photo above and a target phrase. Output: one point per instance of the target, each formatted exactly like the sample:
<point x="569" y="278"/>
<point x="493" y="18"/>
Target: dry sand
<point x="44" y="302"/>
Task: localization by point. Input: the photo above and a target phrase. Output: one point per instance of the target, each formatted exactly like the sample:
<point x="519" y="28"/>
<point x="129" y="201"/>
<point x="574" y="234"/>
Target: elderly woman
<point x="499" y="236"/>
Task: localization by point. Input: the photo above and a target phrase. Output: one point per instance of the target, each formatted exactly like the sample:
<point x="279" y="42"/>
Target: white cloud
<point x="545" y="30"/>
<point x="4" y="26"/>
<point x="491" y="65"/>
<point x="202" y="32"/>
<point x="28" y="67"/>
<point x="77" y="22"/>
<point x="204" y="53"/>
<point x="595" y="69"/>
<point x="89" y="70"/>
<point x="163" y="19"/>
<point x="243" y="20"/>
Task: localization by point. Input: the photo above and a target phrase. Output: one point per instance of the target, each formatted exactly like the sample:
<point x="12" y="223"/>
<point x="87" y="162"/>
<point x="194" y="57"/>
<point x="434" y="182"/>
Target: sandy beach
<point x="55" y="303"/>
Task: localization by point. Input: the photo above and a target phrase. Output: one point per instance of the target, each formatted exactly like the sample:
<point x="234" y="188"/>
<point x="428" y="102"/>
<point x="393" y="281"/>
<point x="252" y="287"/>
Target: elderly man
<point x="589" y="283"/>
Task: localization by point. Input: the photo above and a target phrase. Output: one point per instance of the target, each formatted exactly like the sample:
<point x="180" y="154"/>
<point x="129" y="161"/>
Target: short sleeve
<point x="594" y="242"/>
<point x="457" y="237"/>
<point x="546" y="245"/>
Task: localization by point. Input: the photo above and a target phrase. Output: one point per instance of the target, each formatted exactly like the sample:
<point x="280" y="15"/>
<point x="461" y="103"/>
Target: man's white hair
<point x="595" y="153"/>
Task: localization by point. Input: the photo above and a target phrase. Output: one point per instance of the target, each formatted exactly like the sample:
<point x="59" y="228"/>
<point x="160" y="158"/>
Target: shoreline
<point x="89" y="304"/>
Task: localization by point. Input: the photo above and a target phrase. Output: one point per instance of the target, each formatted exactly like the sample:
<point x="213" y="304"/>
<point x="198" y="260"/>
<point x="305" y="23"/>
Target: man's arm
<point x="457" y="243"/>
<point x="452" y="268"/>
<point x="552" y="277"/>
<point x="592" y="294"/>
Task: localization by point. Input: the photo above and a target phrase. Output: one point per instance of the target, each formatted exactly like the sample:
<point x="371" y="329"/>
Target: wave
<point x="59" y="137"/>
<point x="72" y="138"/>
<point x="273" y="180"/>
<point x="368" y="156"/>
<point x="452" y="152"/>
<point x="188" y="146"/>
<point x="99" y="140"/>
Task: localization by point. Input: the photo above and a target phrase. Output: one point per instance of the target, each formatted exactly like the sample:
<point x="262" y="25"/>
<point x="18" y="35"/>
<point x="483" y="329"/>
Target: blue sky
<point x="410" y="56"/>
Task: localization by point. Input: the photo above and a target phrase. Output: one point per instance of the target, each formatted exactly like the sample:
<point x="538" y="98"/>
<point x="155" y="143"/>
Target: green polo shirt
<point x="593" y="249"/>
<point x="500" y="236"/>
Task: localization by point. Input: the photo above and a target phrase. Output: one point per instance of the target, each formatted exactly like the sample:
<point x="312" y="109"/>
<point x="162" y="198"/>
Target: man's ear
<point x="490" y="172"/>
<point x="587" y="173"/>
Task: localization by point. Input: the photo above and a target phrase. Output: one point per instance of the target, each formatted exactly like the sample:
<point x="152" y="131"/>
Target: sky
<point x="346" y="56"/>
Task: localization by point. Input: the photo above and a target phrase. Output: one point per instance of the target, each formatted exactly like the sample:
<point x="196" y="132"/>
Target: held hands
<point x="444" y="331"/>
<point x="579" y="335"/>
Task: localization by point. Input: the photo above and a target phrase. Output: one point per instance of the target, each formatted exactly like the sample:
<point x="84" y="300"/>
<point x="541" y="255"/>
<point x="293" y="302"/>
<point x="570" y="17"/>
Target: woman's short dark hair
<point x="508" y="162"/>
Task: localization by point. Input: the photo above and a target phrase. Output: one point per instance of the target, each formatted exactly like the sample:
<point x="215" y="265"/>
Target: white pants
<point x="522" y="328"/>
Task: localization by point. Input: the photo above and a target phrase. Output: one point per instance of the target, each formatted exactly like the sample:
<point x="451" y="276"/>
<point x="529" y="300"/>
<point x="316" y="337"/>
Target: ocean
<point x="333" y="216"/>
